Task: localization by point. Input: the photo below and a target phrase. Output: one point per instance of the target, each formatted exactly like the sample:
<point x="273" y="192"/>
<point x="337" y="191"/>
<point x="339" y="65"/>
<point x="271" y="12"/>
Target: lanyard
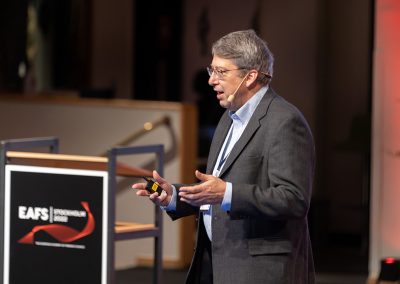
<point x="225" y="155"/>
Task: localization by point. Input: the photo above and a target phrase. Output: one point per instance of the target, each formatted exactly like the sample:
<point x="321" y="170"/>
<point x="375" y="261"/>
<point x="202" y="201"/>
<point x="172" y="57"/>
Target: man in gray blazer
<point x="253" y="201"/>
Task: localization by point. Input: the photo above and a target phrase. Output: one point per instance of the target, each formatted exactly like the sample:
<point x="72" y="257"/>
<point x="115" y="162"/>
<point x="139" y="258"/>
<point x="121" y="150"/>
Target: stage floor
<point x="144" y="276"/>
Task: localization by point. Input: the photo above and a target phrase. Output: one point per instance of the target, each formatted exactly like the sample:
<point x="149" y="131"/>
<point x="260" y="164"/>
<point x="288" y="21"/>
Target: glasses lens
<point x="210" y="71"/>
<point x="218" y="73"/>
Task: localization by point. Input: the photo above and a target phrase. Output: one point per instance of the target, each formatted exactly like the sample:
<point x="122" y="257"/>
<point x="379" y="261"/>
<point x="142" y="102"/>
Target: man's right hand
<point x="164" y="198"/>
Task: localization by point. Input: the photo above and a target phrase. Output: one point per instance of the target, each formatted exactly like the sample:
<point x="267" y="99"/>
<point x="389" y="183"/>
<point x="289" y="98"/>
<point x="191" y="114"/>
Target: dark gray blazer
<point x="264" y="238"/>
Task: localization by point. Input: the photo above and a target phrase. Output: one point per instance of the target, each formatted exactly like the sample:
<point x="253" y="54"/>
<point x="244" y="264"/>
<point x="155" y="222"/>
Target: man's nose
<point x="213" y="80"/>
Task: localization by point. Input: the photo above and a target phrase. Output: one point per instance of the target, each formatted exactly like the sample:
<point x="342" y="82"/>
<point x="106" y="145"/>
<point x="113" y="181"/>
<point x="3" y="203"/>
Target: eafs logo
<point x="62" y="233"/>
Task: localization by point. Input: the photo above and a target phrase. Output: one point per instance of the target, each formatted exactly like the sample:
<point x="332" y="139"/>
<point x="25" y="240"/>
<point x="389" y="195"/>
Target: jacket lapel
<point x="248" y="133"/>
<point x="218" y="140"/>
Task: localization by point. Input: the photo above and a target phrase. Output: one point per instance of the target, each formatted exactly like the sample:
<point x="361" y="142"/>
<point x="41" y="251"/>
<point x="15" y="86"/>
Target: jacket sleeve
<point x="182" y="208"/>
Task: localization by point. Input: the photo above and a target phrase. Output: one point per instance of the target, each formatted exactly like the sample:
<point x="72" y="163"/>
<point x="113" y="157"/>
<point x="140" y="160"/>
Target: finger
<point x="163" y="195"/>
<point x="139" y="186"/>
<point x="184" y="195"/>
<point x="201" y="176"/>
<point x="190" y="190"/>
<point x="158" y="178"/>
<point x="163" y="199"/>
<point x="191" y="197"/>
<point x="142" y="192"/>
<point x="159" y="199"/>
<point x="153" y="195"/>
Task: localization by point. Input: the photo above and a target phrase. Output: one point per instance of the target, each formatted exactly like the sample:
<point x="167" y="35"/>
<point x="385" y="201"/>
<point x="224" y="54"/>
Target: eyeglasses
<point x="266" y="74"/>
<point x="220" y="73"/>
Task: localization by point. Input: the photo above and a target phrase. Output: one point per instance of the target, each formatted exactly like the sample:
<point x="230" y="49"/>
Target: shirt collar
<point x="244" y="113"/>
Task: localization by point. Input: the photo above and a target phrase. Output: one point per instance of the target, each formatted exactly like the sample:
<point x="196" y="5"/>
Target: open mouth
<point x="220" y="95"/>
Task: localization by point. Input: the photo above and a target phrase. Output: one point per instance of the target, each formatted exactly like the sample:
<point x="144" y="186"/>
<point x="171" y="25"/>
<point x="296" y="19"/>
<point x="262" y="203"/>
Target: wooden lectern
<point x="52" y="230"/>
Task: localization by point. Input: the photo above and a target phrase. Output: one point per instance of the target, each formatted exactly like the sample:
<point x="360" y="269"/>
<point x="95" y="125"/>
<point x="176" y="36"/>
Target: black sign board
<point x="55" y="227"/>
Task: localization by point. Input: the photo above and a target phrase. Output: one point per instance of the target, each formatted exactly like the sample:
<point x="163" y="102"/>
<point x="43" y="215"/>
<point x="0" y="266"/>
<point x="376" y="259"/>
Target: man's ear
<point x="251" y="77"/>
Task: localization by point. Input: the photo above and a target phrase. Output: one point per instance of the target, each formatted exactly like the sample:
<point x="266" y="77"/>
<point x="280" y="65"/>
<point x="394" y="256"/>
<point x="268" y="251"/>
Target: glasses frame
<point x="220" y="73"/>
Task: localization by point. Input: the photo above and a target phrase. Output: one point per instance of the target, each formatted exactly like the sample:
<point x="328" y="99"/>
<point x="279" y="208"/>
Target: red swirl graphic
<point x="62" y="233"/>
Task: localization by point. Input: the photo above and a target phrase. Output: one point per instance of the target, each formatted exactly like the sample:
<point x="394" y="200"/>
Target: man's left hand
<point x="211" y="190"/>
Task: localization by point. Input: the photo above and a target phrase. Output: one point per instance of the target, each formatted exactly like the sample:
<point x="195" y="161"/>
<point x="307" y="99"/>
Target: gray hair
<point x="247" y="51"/>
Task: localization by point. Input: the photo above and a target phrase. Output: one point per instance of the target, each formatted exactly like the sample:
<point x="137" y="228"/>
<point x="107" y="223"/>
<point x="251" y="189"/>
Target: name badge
<point x="205" y="207"/>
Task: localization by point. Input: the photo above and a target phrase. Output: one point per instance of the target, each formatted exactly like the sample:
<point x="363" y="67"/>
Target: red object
<point x="390" y="260"/>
